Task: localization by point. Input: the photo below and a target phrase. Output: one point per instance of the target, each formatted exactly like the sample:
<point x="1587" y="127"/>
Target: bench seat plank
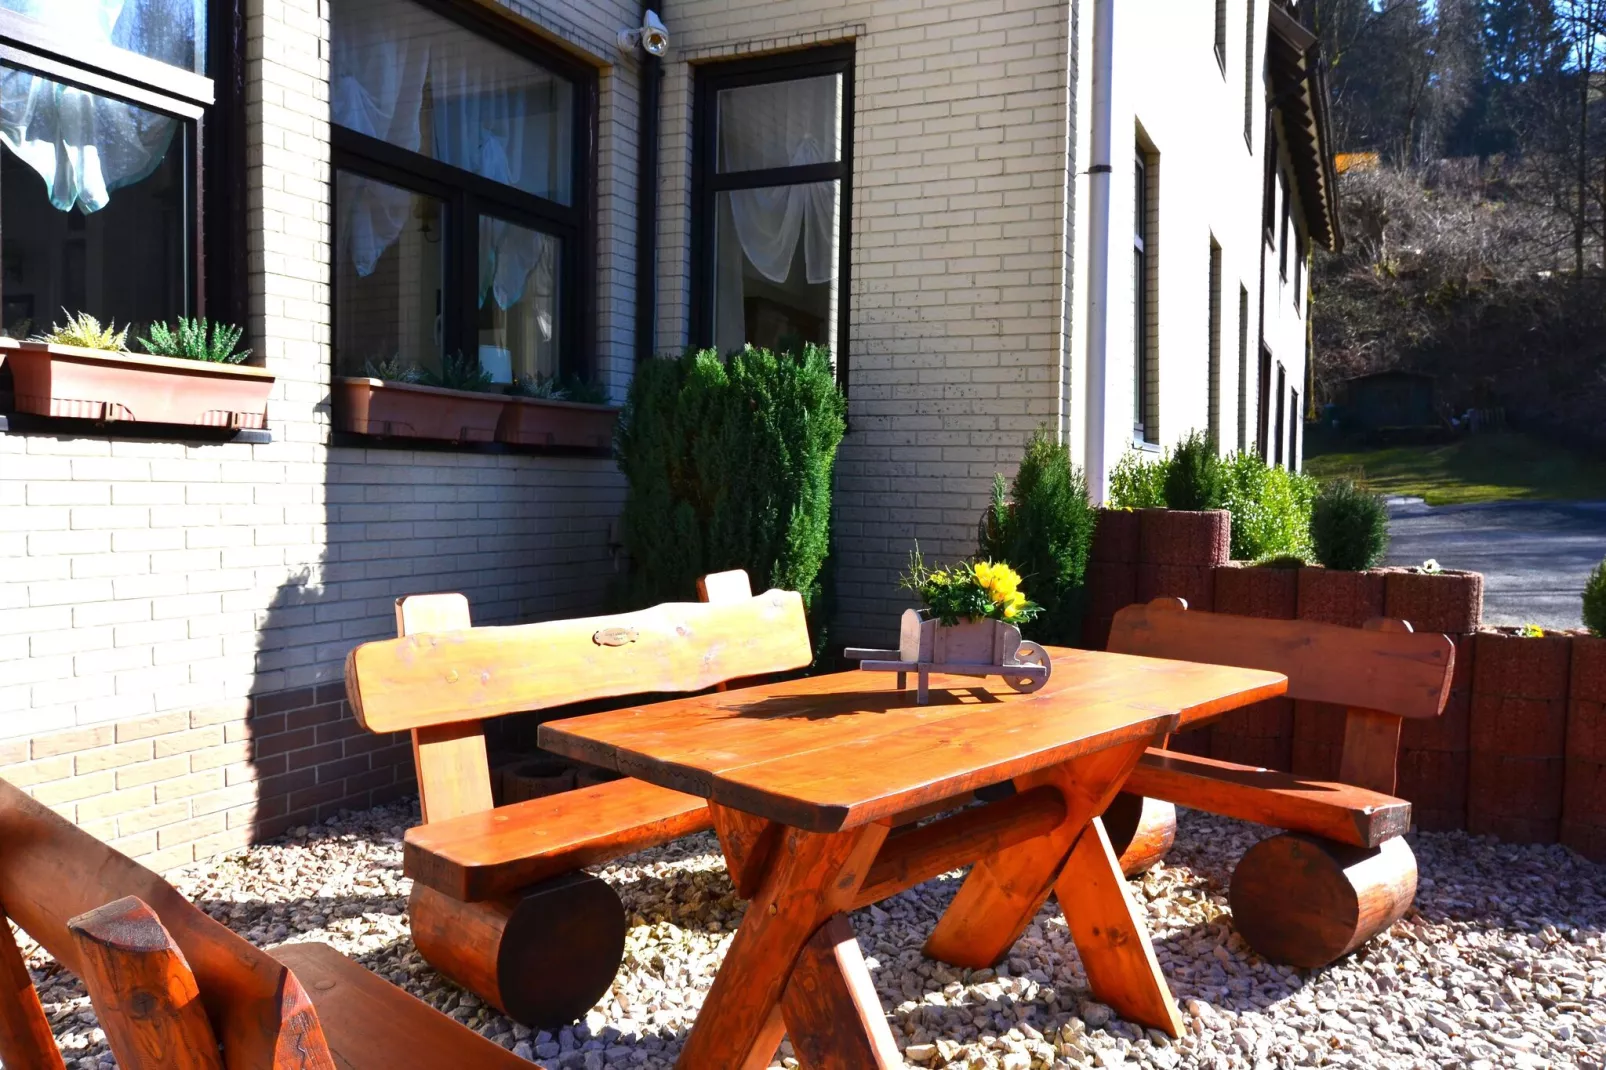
<point x="371" y="1024"/>
<point x="497" y="852"/>
<point x="1339" y="812"/>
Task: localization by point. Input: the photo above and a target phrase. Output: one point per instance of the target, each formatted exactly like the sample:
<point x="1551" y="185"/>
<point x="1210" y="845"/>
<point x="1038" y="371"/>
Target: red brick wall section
<point x="1332" y="597"/>
<point x="1583" y="821"/>
<point x="1435" y="754"/>
<point x="1518" y="736"/>
<point x="1262" y="734"/>
<point x="182" y="786"/>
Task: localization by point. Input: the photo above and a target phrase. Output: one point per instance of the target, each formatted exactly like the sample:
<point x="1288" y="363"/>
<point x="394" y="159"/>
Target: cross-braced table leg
<point x="1004" y="892"/>
<point x="793" y="967"/>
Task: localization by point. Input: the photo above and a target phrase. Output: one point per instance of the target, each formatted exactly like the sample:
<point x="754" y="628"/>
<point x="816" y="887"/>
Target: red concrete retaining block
<point x="1338" y="597"/>
<point x="1434" y="754"/>
<point x="1115" y="537"/>
<point x="1111" y="587"/>
<point x="1449" y="602"/>
<point x="1194" y="584"/>
<point x="1318" y="744"/>
<point x="1183" y="537"/>
<point x="1250" y="591"/>
<point x="1260" y="735"/>
<point x="1452" y="730"/>
<point x="1518" y="735"/>
<point x="1197" y="742"/>
<point x="1583" y="821"/>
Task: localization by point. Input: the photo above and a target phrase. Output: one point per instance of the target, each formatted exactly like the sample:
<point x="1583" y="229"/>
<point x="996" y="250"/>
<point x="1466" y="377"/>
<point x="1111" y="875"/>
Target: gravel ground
<point x="1501" y="964"/>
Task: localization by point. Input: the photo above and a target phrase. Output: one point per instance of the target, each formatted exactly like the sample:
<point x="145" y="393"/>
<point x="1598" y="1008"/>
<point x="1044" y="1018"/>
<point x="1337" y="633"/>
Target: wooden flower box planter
<point x="91" y="384"/>
<point x="970" y="648"/>
<point x="366" y="406"/>
<point x="545" y="422"/>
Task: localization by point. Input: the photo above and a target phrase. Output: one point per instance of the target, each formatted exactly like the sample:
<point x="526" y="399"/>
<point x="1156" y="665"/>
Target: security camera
<point x="653" y="36"/>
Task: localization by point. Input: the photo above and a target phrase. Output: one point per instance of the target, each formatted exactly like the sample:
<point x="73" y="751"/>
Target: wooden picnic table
<point x="807" y="778"/>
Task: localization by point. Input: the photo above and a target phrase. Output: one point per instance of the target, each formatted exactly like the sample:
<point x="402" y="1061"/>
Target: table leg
<point x="1110" y="935"/>
<point x="1004" y="891"/>
<point x="748" y="843"/>
<point x="831" y="1008"/>
<point x="809" y="877"/>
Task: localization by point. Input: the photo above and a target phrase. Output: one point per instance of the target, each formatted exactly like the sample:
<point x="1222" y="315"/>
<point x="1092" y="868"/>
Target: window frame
<point x="707" y="182"/>
<point x="1249" y="76"/>
<point x="1145" y="368"/>
<point x="211" y="111"/>
<point x="467" y="196"/>
<point x="1221" y="36"/>
<point x="1213" y="413"/>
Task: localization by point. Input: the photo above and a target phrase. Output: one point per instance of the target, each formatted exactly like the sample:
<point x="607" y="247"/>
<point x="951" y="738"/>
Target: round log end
<point x="1141" y="831"/>
<point x="1305" y="901"/>
<point x="543" y="957"/>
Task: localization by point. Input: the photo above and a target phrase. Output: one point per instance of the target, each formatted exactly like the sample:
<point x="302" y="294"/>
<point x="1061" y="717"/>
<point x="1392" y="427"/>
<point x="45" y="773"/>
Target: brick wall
<point x="174" y="617"/>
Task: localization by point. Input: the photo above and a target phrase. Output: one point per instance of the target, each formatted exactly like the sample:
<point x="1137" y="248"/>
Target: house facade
<point x="508" y="187"/>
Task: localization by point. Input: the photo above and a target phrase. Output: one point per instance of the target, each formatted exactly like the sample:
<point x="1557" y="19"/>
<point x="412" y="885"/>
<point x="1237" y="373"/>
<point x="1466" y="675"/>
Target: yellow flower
<point x="984" y="573"/>
<point x="1005" y="583"/>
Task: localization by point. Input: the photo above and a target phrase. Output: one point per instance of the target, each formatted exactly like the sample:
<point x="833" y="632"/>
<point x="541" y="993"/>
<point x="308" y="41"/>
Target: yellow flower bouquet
<point x="969" y="590"/>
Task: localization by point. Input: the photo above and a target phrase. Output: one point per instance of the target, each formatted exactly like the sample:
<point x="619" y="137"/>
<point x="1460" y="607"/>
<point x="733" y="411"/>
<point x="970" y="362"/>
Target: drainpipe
<point x="652" y="72"/>
<point x="1098" y="252"/>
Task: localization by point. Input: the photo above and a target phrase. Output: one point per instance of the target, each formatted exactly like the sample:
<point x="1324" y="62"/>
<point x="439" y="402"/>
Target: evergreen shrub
<point x="1349" y="528"/>
<point x="1270" y="509"/>
<point x="1194" y="478"/>
<point x="1595" y="600"/>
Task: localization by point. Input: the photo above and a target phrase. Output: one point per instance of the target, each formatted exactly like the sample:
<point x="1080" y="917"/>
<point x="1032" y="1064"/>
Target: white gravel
<point x="1501" y="964"/>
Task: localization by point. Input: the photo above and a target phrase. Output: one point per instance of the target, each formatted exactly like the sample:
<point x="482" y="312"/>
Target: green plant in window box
<point x="195" y="339"/>
<point x="393" y="370"/>
<point x="459" y="372"/>
<point x="553" y="388"/>
<point x="85" y="331"/>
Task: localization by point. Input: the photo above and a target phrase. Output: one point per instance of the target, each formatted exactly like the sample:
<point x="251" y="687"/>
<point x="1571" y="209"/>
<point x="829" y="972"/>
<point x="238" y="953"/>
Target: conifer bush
<point x="1043" y="528"/>
<point x="1194" y="478"/>
<point x="1349" y="528"/>
<point x="1595" y="601"/>
<point x="728" y="465"/>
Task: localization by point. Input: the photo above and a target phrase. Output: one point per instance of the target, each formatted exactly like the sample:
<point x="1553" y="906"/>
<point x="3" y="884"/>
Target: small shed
<point x="1392" y="399"/>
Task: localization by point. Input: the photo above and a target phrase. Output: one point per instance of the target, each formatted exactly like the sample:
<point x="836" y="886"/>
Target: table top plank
<point x="835" y="751"/>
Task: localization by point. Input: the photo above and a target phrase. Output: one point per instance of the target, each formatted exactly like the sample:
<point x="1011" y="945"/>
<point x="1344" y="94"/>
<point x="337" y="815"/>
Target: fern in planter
<point x="458" y="372"/>
<point x="1349" y="528"/>
<point x="1043" y="527"/>
<point x="195" y="339"/>
<point x="393" y="370"/>
<point x="1595" y="601"/>
<point x="1194" y="478"/>
<point x="728" y="464"/>
<point x="554" y="388"/>
<point x="84" y="331"/>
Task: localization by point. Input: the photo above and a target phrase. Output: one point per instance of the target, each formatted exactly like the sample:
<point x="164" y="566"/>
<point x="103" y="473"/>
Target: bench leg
<point x="543" y="957"/>
<point x="25" y="1038"/>
<point x="1141" y="830"/>
<point x="1305" y="901"/>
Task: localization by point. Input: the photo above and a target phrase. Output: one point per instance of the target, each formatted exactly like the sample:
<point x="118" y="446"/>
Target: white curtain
<point x="417" y="81"/>
<point x="514" y="261"/>
<point x="784" y="124"/>
<point x="84" y="146"/>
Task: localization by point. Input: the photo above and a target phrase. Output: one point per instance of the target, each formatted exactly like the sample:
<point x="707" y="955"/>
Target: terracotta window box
<point x="90" y="384"/>
<point x="546" y="422"/>
<point x="366" y="406"/>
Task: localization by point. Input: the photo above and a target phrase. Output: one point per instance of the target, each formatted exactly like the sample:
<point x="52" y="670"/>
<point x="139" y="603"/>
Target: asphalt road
<point x="1534" y="556"/>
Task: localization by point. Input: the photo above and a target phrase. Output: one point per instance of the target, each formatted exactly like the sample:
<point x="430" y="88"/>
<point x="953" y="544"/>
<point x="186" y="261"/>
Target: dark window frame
<point x="1284" y="196"/>
<point x="1242" y="420"/>
<point x="708" y="182"/>
<point x="211" y="109"/>
<point x="1213" y="413"/>
<point x="1145" y="421"/>
<point x="467" y="196"/>
<point x="1249" y="76"/>
<point x="1221" y="36"/>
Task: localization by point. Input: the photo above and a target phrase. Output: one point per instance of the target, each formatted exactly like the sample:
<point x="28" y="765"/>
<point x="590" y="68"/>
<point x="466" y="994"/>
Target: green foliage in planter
<point x="458" y="372"/>
<point x="1595" y="600"/>
<point x="728" y="465"/>
<point x="1194" y="478"/>
<point x="1043" y="528"/>
<point x="85" y="331"/>
<point x="559" y="388"/>
<point x="195" y="339"/>
<point x="1282" y="561"/>
<point x="1137" y="482"/>
<point x="394" y="370"/>
<point x="1270" y="508"/>
<point x="1349" y="528"/>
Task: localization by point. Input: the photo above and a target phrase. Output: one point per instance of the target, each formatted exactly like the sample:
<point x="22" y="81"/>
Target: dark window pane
<point x="775" y="267"/>
<point x="423" y="83"/>
<point x="518" y="295"/>
<point x="388" y="275"/>
<point x="781" y="124"/>
<point x="172" y="31"/>
<point x="94" y="204"/>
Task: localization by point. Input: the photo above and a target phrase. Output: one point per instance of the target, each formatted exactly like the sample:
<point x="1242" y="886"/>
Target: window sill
<point x="1143" y="445"/>
<point x="354" y="441"/>
<point x="21" y="423"/>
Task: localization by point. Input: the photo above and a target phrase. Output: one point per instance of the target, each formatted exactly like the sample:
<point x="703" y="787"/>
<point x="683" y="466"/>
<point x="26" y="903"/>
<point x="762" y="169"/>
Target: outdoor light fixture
<point x="653" y="37"/>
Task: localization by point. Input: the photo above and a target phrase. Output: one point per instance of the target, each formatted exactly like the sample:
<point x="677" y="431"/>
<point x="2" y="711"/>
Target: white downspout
<point x="1098" y="252"/>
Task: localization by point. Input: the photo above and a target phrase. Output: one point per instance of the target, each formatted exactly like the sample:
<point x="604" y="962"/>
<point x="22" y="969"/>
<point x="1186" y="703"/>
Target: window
<point x="1145" y="388"/>
<point x="1282" y="397"/>
<point x="1268" y="205"/>
<point x="772" y="188"/>
<point x="460" y="193"/>
<point x="1294" y="417"/>
<point x="1221" y="36"/>
<point x="101" y="109"/>
<point x="1287" y="205"/>
<point x="1214" y="343"/>
<point x="1263" y="404"/>
<point x="1249" y="74"/>
<point x="1243" y="368"/>
<point x="1299" y="268"/>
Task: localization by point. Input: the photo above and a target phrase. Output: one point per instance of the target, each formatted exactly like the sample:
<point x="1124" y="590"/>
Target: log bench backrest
<point x="1380" y="673"/>
<point x="442" y="678"/>
<point x="51" y="872"/>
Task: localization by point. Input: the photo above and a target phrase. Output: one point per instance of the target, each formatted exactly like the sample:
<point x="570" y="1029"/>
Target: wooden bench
<point x="500" y="903"/>
<point x="1341" y="872"/>
<point x="175" y="990"/>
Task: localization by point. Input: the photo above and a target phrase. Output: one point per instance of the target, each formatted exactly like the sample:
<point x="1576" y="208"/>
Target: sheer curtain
<point x="85" y="146"/>
<point x="408" y="77"/>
